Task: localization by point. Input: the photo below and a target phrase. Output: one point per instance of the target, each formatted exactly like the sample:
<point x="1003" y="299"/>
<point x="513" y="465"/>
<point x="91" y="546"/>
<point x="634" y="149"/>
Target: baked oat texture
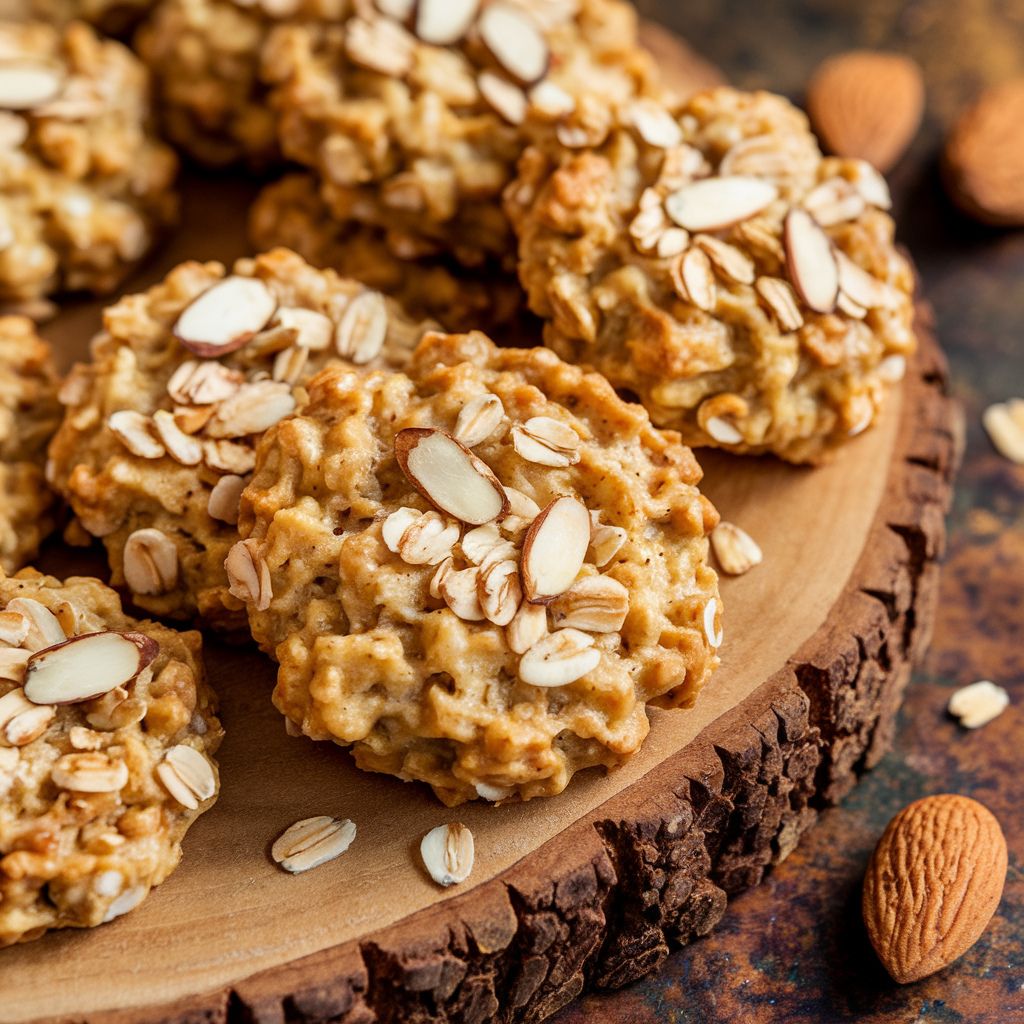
<point x="85" y="187"/>
<point x="157" y="440"/>
<point x="88" y="824"/>
<point x="112" y="17"/>
<point x="710" y="261"/>
<point x="29" y="414"/>
<point x="393" y="625"/>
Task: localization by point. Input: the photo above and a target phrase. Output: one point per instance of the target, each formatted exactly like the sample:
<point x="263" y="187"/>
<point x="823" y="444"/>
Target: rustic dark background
<point x="794" y="949"/>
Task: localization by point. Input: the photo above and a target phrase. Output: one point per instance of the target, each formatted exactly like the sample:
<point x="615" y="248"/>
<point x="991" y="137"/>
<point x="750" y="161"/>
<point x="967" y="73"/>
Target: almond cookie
<point x="709" y="260"/>
<point x="107" y="731"/>
<point x="29" y="414"/>
<point x="159" y="430"/>
<point x="477" y="573"/>
<point x="85" y="188"/>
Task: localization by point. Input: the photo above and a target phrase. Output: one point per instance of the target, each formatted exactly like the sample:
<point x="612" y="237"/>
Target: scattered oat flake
<point x="311" y="842"/>
<point x="978" y="704"/>
<point x="448" y="853"/>
<point x="737" y="552"/>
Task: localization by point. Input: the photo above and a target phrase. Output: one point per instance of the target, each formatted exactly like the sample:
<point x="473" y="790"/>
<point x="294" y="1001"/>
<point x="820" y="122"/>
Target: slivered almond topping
<point x="499" y="591"/>
<point x="313" y="330"/>
<point x="522" y="504"/>
<point x="654" y="124"/>
<point x="598" y="604"/>
<point x="253" y="409"/>
<point x="863" y="288"/>
<point x="811" y="261"/>
<point x="22" y="721"/>
<point x="779" y="297"/>
<point x="136" y="433"/>
<point x="249" y="575"/>
<point x="180" y="446"/>
<point x="528" y="626"/>
<point x="846" y="306"/>
<point x="978" y="704"/>
<point x="448" y="853"/>
<point x="87" y="666"/>
<point x="44" y="628"/>
<point x="187" y="775"/>
<point x="90" y="772"/>
<point x="450" y="476"/>
<point x="196" y="383"/>
<point x="224" y="499"/>
<point x="229" y="457"/>
<point x="25" y="84"/>
<point x="728" y="260"/>
<point x="560" y="658"/>
<point x="892" y="369"/>
<point x="551" y="100"/>
<point x="311" y="842"/>
<point x="737" y="552"/>
<point x="554" y="549"/>
<point x="515" y="42"/>
<point x="13" y="628"/>
<point x="458" y="589"/>
<point x="380" y="45"/>
<point x="694" y="280"/>
<point x="150" y="562"/>
<point x="444" y="22"/>
<point x="506" y="98"/>
<point x="1004" y="424"/>
<point x="712" y="631"/>
<point x="871" y="184"/>
<point x="479" y="418"/>
<point x="834" y="201"/>
<point x="428" y="539"/>
<point x="363" y="328"/>
<point x="225" y="317"/>
<point x="12" y="663"/>
<point x="289" y="364"/>
<point x="712" y="204"/>
<point x="605" y="541"/>
<point x="546" y="441"/>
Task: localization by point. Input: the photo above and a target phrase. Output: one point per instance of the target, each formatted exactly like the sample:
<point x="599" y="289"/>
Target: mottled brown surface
<point x="794" y="949"/>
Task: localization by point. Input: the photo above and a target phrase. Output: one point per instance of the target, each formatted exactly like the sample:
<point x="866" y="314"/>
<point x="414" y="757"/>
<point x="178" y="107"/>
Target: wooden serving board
<point x="589" y="889"/>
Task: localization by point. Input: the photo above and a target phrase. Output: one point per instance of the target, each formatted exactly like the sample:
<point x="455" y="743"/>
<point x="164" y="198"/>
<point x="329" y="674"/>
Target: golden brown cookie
<point x="160" y="428"/>
<point x="478" y="573"/>
<point x="709" y="260"/>
<point x="107" y="731"/>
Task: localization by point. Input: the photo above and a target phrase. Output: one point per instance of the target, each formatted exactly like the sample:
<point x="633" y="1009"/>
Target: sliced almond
<point x="522" y="504"/>
<point x="871" y="184"/>
<point x="90" y="772"/>
<point x="13" y="662"/>
<point x="195" y="383"/>
<point x="21" y="720"/>
<point x="811" y="261"/>
<point x="448" y="853"/>
<point x="863" y="288"/>
<point x="26" y="84"/>
<point x="1004" y="424"/>
<point x="499" y="591"/>
<point x="459" y="591"/>
<point x="528" y="627"/>
<point x="450" y="476"/>
<point x="187" y="775"/>
<point x="559" y="659"/>
<point x="978" y="704"/>
<point x="846" y="306"/>
<point x="778" y="295"/>
<point x="892" y="369"/>
<point x="381" y="45"/>
<point x="252" y="409"/>
<point x="554" y="549"/>
<point x="478" y="419"/>
<point x="546" y="441"/>
<point x="249" y="575"/>
<point x="597" y="604"/>
<point x="515" y="42"/>
<point x="737" y="552"/>
<point x="136" y="433"/>
<point x="551" y="101"/>
<point x="712" y="204"/>
<point x="150" y="562"/>
<point x="229" y="457"/>
<point x="311" y="842"/>
<point x="14" y="628"/>
<point x="694" y="280"/>
<point x="728" y="260"/>
<point x="180" y="446"/>
<point x="654" y="124"/>
<point x="506" y="98"/>
<point x="605" y="542"/>
<point x="224" y="500"/>
<point x="428" y="539"/>
<point x="444" y="22"/>
<point x="313" y="330"/>
<point x="44" y="628"/>
<point x="712" y="631"/>
<point x="494" y="794"/>
<point x="363" y="328"/>
<point x="225" y="317"/>
<point x="87" y="666"/>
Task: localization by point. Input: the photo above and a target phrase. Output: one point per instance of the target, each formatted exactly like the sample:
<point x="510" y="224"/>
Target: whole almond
<point x="933" y="884"/>
<point x="867" y="104"/>
<point x="984" y="157"/>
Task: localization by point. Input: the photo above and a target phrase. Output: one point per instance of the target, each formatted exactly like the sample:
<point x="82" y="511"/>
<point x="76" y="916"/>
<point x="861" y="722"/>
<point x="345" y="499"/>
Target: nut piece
<point x="712" y="204"/>
<point x="447" y="853"/>
<point x="978" y="704"/>
<point x="479" y="418"/>
<point x="546" y="441"/>
<point x="87" y="666"/>
<point x="737" y="552"/>
<point x="778" y="295"/>
<point x="932" y="885"/>
<point x="180" y="446"/>
<point x="13" y="662"/>
<point x="25" y="84"/>
<point x="150" y="562"/>
<point x="694" y="279"/>
<point x="559" y="659"/>
<point x="515" y="42"/>
<point x="187" y="775"/>
<point x="605" y="542"/>
<point x="21" y="721"/>
<point x="363" y="328"/>
<point x="135" y="432"/>
<point x="1004" y="424"/>
<point x="810" y="261"/>
<point x="312" y="842"/>
<point x="225" y="317"/>
<point x="44" y="629"/>
<point x="224" y="499"/>
<point x="595" y="603"/>
<point x="13" y="628"/>
<point x="499" y="591"/>
<point x="450" y="476"/>
<point x="867" y="104"/>
<point x="252" y="409"/>
<point x="91" y="772"/>
<point x="249" y="574"/>
<point x="506" y="99"/>
<point x="528" y="627"/>
<point x="444" y="22"/>
<point x="554" y="549"/>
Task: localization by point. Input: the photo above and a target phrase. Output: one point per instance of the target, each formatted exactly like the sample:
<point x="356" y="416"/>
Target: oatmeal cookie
<point x="29" y="415"/>
<point x="107" y="731"/>
<point x="479" y="572"/>
<point x="113" y="17"/>
<point x="160" y="428"/>
<point x="85" y="188"/>
<point x="709" y="260"/>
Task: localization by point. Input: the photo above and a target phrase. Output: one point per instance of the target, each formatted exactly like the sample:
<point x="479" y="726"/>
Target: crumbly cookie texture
<point x="85" y="187"/>
<point x="29" y="414"/>
<point x="159" y="430"/>
<point x="112" y="17"/>
<point x="477" y="574"/>
<point x="107" y="736"/>
<point x="290" y="212"/>
<point x="709" y="260"/>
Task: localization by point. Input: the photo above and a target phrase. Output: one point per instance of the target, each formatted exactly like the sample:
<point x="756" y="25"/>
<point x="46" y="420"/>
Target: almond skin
<point x="933" y="884"/>
<point x="867" y="104"/>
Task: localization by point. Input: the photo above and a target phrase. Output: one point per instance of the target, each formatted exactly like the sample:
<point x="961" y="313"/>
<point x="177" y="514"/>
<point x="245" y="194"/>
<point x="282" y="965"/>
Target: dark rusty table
<point x="794" y="949"/>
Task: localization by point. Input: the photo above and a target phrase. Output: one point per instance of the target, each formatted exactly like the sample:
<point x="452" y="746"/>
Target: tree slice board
<point x="590" y="889"/>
